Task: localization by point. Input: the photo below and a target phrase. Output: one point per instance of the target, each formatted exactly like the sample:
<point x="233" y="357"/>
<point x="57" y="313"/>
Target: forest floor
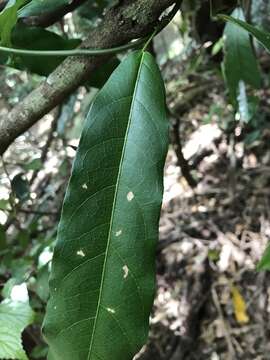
<point x="211" y="302"/>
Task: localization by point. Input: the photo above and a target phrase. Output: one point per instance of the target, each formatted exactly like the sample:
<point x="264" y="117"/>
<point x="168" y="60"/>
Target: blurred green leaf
<point x="23" y="238"/>
<point x="21" y="268"/>
<point x="4" y="204"/>
<point x="34" y="164"/>
<point x="8" y="19"/>
<point x="218" y="46"/>
<point x="264" y="264"/>
<point x="253" y="136"/>
<point x="262" y="36"/>
<point x="34" y="38"/>
<point x="213" y="254"/>
<point x="42" y="283"/>
<point x="239" y="62"/>
<point x="36" y="7"/>
<point x="20" y="186"/>
<point x="40" y="352"/>
<point x="15" y="316"/>
<point x="6" y="292"/>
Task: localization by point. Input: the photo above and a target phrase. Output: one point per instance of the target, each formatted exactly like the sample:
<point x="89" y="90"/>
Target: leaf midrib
<point x="113" y="207"/>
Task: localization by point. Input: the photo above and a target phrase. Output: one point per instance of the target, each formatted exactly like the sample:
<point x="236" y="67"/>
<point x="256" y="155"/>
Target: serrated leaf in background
<point x="15" y="315"/>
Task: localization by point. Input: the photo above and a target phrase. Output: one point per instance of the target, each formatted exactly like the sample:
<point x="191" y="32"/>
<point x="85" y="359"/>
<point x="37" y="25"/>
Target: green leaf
<point x="20" y="186"/>
<point x="35" y="164"/>
<point x="14" y="317"/>
<point x="23" y="238"/>
<point x="33" y="38"/>
<point x="36" y="7"/>
<point x="21" y="268"/>
<point x="103" y="279"/>
<point x="264" y="264"/>
<point x="9" y="285"/>
<point x="4" y="203"/>
<point x="8" y="19"/>
<point x="239" y="62"/>
<point x="262" y="36"/>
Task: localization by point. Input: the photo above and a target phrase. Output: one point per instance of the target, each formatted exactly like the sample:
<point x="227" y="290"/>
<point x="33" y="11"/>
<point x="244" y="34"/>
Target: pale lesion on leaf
<point x="118" y="233"/>
<point x="130" y="196"/>
<point x="126" y="271"/>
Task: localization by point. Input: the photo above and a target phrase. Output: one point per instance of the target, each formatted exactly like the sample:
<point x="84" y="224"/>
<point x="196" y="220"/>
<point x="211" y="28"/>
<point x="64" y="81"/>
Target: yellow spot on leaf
<point x="240" y="307"/>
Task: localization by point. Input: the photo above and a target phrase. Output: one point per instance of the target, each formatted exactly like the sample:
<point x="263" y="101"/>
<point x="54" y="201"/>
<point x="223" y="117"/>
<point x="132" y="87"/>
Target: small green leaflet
<point x="103" y="271"/>
<point x="262" y="36"/>
<point x="240" y="65"/>
<point x="34" y="38"/>
<point x="15" y="316"/>
<point x="8" y="19"/>
<point x="264" y="264"/>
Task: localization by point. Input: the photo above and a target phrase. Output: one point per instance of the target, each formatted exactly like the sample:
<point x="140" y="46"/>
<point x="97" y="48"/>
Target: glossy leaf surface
<point x="103" y="278"/>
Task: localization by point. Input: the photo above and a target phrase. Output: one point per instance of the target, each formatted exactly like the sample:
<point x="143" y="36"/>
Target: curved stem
<point x="96" y="52"/>
<point x="74" y="52"/>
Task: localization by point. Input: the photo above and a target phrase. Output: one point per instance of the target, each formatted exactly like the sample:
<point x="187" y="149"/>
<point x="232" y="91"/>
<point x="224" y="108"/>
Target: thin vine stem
<point x="74" y="52"/>
<point x="97" y="52"/>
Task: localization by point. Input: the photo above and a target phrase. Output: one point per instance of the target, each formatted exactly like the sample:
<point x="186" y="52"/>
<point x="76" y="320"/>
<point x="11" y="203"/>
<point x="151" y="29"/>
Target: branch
<point x="47" y="18"/>
<point x="182" y="162"/>
<point x="3" y="3"/>
<point x="124" y="22"/>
